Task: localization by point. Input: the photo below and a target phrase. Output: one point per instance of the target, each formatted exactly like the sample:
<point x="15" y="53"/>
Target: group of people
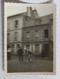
<point x="24" y="55"/>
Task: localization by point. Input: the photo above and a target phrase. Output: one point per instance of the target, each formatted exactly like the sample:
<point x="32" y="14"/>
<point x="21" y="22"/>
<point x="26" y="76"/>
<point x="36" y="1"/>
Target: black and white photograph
<point x="29" y="42"/>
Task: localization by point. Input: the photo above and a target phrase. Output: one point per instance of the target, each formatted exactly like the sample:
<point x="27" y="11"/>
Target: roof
<point x="24" y="13"/>
<point x="49" y="15"/>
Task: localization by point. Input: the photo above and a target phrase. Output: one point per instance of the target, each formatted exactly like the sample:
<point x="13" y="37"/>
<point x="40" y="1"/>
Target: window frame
<point x="27" y="35"/>
<point x="16" y="23"/>
<point x="8" y="37"/>
<point x="37" y="34"/>
<point x="46" y="33"/>
<point x="15" y="36"/>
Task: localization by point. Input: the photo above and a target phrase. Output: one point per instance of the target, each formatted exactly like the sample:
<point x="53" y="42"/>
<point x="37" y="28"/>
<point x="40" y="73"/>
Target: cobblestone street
<point x="38" y="65"/>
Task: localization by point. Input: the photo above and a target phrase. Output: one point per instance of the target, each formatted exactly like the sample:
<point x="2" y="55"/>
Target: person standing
<point x="9" y="53"/>
<point x="20" y="54"/>
<point x="25" y="55"/>
<point x="30" y="55"/>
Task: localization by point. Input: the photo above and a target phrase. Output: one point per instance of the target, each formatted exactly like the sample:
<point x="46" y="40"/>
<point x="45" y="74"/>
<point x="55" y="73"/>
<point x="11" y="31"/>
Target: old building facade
<point x="37" y="35"/>
<point x="14" y="28"/>
<point x="31" y="31"/>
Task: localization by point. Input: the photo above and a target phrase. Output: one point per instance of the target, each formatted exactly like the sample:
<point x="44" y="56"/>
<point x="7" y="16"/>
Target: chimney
<point x="29" y="11"/>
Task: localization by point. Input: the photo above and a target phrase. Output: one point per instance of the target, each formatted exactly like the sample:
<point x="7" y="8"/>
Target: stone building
<point x="31" y="31"/>
<point x="14" y="28"/>
<point x="37" y="35"/>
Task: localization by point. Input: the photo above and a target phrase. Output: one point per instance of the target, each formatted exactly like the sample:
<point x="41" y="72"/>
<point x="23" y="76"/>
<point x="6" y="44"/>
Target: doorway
<point x="46" y="50"/>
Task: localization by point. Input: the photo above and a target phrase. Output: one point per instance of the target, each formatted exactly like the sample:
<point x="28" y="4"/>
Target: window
<point x="18" y="45"/>
<point x="12" y="45"/>
<point x="8" y="34"/>
<point x="37" y="34"/>
<point x="15" y="36"/>
<point x="46" y="33"/>
<point x="37" y="48"/>
<point x="8" y="24"/>
<point x="51" y="20"/>
<point x="8" y="37"/>
<point x="28" y="46"/>
<point x="16" y="23"/>
<point x="27" y="35"/>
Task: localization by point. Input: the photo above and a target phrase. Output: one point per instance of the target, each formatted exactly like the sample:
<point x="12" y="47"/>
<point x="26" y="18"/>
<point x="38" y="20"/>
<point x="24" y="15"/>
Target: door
<point x="46" y="50"/>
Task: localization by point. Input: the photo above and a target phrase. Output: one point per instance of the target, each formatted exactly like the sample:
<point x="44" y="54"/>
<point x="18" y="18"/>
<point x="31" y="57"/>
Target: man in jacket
<point x="20" y="54"/>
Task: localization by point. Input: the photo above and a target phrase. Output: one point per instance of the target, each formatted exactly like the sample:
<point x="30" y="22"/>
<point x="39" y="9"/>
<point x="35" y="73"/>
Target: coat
<point x="20" y="52"/>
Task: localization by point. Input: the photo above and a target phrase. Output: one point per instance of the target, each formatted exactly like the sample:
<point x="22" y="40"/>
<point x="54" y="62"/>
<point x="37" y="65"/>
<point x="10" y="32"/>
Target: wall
<point x="38" y="21"/>
<point x="32" y="30"/>
<point x="11" y="27"/>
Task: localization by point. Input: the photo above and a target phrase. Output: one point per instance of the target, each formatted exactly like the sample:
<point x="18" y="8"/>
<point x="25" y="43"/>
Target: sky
<point x="42" y="9"/>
